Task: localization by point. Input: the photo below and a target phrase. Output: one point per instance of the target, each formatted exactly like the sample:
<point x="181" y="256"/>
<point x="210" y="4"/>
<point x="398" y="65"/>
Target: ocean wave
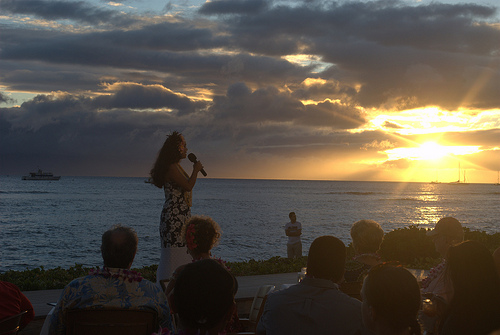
<point x="408" y="199"/>
<point x="25" y="192"/>
<point x="354" y="193"/>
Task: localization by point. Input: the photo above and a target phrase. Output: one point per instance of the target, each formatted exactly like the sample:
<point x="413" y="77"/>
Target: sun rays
<point x="430" y="151"/>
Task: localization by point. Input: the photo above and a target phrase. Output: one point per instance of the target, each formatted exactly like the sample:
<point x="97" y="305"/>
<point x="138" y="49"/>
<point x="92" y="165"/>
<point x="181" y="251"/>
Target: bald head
<point x="119" y="246"/>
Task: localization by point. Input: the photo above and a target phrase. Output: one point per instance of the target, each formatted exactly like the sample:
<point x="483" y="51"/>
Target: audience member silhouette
<point x="201" y="234"/>
<point x="315" y="305"/>
<point x="203" y="297"/>
<point x="114" y="285"/>
<point x="391" y="300"/>
<point x="447" y="232"/>
<point x="13" y="302"/>
<point x="367" y="236"/>
<point x="475" y="305"/>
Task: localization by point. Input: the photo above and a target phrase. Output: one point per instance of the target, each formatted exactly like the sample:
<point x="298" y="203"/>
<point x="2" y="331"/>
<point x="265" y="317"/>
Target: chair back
<point x="258" y="302"/>
<point x="256" y="310"/>
<point x="111" y="321"/>
<point x="10" y="325"/>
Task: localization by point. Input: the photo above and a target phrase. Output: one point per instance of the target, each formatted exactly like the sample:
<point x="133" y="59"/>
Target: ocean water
<point x="60" y="223"/>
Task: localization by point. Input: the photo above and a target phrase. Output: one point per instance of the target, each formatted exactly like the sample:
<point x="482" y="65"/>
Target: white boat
<point x="40" y="175"/>
<point x="458" y="182"/>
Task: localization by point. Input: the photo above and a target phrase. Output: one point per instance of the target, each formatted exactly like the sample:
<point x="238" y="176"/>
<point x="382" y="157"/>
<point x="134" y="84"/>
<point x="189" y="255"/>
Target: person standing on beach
<point x="293" y="230"/>
<point x="168" y="174"/>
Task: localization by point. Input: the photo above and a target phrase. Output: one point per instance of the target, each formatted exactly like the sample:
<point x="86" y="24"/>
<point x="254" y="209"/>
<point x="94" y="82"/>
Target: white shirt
<point x="293" y="227"/>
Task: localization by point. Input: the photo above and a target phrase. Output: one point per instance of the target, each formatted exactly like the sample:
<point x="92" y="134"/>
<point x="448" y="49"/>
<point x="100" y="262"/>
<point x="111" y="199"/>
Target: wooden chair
<point x="111" y="321"/>
<point x="256" y="310"/>
<point x="10" y="325"/>
<point x="352" y="289"/>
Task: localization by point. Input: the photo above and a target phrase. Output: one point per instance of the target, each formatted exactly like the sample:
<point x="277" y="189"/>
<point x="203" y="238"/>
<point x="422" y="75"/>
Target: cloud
<point x="264" y="81"/>
<point x="269" y="105"/>
<point x="5" y="98"/>
<point x="398" y="164"/>
<point x="381" y="55"/>
<point x="62" y="10"/>
<point x="135" y="96"/>
<point x="378" y="145"/>
<point x="393" y="125"/>
<point x="233" y="7"/>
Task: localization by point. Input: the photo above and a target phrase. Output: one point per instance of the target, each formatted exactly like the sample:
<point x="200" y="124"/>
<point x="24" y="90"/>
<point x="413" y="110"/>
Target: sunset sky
<point x="350" y="90"/>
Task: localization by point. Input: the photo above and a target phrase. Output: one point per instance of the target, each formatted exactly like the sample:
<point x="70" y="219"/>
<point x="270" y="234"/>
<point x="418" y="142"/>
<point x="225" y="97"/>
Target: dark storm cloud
<point x="321" y="91"/>
<point x="5" y="98"/>
<point x="65" y="108"/>
<point x="82" y="137"/>
<point x="34" y="76"/>
<point x="400" y="56"/>
<point x="383" y="45"/>
<point x="269" y="105"/>
<point x="105" y="129"/>
<point x="98" y="49"/>
<point x="64" y="10"/>
<point x="223" y="78"/>
<point x="425" y="26"/>
<point x="136" y="96"/>
<point x="173" y="36"/>
<point x="234" y="7"/>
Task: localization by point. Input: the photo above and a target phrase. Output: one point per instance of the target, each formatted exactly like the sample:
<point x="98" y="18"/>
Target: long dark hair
<point x="204" y="294"/>
<point x="394" y="294"/>
<point x="475" y="305"/>
<point x="168" y="154"/>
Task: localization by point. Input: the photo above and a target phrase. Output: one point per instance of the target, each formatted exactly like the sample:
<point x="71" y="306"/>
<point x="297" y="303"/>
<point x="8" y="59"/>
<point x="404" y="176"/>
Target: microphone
<point x="192" y="158"/>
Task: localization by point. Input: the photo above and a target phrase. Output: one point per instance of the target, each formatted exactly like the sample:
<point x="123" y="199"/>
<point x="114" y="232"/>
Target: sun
<point x="430" y="151"/>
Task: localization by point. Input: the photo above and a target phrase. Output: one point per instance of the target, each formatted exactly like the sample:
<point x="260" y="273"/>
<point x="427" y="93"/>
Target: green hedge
<point x="409" y="246"/>
<point x="414" y="249"/>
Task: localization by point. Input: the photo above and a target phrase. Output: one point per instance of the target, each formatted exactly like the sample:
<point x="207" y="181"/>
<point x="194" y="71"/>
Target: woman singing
<point x="177" y="184"/>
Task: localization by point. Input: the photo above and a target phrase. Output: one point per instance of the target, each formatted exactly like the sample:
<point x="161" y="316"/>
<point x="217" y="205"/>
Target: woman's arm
<point x="175" y="174"/>
<point x="170" y="288"/>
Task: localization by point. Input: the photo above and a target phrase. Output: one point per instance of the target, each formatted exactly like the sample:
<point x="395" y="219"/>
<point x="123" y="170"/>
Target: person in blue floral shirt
<point x="113" y="285"/>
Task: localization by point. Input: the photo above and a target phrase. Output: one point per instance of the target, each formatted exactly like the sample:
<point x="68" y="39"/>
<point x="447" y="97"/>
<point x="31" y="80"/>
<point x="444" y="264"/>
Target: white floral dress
<point x="175" y="212"/>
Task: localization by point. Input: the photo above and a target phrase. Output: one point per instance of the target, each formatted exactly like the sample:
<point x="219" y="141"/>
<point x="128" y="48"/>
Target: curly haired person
<point x="201" y="234"/>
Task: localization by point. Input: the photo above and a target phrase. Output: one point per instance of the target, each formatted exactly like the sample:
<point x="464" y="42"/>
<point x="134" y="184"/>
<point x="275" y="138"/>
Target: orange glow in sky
<point x="430" y="151"/>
